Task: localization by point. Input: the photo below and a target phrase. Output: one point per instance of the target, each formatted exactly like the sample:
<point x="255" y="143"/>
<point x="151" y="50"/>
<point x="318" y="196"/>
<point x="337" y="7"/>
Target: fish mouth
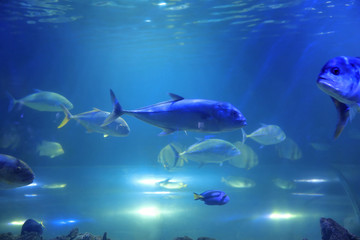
<point x="324" y="83"/>
<point x="327" y="85"/>
<point x="322" y="80"/>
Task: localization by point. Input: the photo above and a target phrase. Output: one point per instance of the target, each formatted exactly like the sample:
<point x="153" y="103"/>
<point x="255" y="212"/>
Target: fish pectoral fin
<point x="175" y="97"/>
<point x="344" y="114"/>
<point x="166" y="131"/>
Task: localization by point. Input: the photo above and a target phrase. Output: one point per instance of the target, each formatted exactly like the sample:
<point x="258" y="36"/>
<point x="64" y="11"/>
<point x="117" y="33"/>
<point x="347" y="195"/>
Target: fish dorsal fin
<point x="175" y="97"/>
<point x="166" y="180"/>
<point x="92" y="111"/>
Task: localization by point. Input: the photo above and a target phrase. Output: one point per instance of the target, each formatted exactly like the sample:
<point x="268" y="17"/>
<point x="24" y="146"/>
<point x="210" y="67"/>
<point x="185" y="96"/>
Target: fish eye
<point x="18" y="169"/>
<point x="335" y="70"/>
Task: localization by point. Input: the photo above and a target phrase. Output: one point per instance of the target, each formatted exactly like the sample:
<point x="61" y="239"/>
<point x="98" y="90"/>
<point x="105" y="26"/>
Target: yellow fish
<point x="172" y="185"/>
<point x="42" y="101"/>
<point x="50" y="149"/>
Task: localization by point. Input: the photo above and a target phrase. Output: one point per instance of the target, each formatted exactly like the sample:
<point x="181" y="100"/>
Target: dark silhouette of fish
<point x="31" y="225"/>
<point x="340" y="79"/>
<point x="181" y="114"/>
<point x="14" y="172"/>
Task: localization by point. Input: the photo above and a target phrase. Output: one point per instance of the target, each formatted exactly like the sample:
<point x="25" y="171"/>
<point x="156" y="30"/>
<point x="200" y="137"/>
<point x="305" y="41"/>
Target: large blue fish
<point x="184" y="114"/>
<point x="340" y="78"/>
<point x="212" y="197"/>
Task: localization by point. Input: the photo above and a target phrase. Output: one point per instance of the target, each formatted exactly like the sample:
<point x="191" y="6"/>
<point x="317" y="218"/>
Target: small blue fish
<point x="212" y="197"/>
<point x="181" y="114"/>
<point x="340" y="79"/>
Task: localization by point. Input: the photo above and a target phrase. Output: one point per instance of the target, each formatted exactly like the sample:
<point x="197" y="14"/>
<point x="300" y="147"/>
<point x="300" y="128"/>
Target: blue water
<point x="262" y="56"/>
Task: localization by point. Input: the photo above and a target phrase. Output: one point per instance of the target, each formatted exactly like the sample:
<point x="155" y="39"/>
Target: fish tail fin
<point x="178" y="156"/>
<point x="12" y="102"/>
<point x="67" y="117"/>
<point x="197" y="196"/>
<point x="117" y="110"/>
<point x="176" y="153"/>
<point x="244" y="136"/>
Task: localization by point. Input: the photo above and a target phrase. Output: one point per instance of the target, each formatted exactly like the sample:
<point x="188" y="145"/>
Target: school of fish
<point x="339" y="78"/>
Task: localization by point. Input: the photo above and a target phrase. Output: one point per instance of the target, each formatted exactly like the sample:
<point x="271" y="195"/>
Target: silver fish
<point x="14" y="172"/>
<point x="238" y="182"/>
<point x="9" y="137"/>
<point x="167" y="157"/>
<point x="340" y="79"/>
<point x="247" y="159"/>
<point x="184" y="114"/>
<point x="284" y="183"/>
<point x="168" y="184"/>
<point x="266" y="135"/>
<point x="42" y="101"/>
<point x="210" y="151"/>
<point x="289" y="149"/>
<point x="92" y="121"/>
